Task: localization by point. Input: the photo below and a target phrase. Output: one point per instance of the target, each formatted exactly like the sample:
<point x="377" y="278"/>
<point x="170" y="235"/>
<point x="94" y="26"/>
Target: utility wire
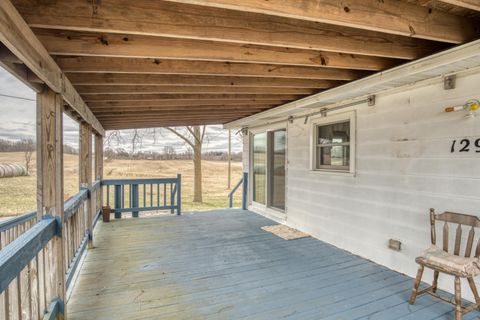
<point x="16" y="97"/>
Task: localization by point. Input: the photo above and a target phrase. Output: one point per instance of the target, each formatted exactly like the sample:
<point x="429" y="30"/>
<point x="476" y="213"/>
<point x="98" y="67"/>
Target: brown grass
<point x="18" y="195"/>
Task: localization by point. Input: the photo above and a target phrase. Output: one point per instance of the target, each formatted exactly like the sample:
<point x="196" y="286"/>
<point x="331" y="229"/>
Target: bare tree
<point x="28" y="153"/>
<point x="194" y="137"/>
<point x="137" y="139"/>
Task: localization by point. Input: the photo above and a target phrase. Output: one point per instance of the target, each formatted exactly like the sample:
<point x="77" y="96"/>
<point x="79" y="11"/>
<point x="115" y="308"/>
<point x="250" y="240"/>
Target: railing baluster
<point x="151" y="195"/>
<point x="134" y="188"/>
<point x="164" y="194"/>
<point x="171" y="198"/>
<point x="144" y="195"/>
<point x="117" y="199"/>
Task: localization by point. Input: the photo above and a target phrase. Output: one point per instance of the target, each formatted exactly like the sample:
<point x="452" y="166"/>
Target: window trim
<point x="332" y="119"/>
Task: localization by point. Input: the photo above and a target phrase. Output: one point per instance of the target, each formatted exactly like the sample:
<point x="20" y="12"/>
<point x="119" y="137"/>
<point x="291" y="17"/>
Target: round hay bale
<point x="8" y="170"/>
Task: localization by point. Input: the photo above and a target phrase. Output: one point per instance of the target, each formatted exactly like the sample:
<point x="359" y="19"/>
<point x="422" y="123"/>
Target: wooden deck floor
<point x="221" y="265"/>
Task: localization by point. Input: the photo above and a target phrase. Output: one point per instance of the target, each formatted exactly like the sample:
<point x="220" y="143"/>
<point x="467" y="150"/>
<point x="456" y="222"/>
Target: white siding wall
<point x="403" y="167"/>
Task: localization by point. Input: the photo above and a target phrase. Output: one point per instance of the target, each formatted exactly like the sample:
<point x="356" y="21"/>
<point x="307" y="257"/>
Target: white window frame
<point x="331" y="119"/>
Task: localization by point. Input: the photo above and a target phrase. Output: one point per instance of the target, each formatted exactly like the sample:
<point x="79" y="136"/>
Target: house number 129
<point x="465" y="145"/>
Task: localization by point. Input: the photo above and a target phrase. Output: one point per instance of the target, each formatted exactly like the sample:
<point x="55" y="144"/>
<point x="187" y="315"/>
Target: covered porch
<point x="250" y="66"/>
<point x="222" y="265"/>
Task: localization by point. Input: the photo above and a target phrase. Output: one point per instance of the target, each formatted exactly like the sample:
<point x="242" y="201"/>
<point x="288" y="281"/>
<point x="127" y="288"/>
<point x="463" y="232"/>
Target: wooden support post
<point x="85" y="172"/>
<point x="98" y="157"/>
<point x="50" y="190"/>
<point x="229" y="183"/>
<point x="99" y="169"/>
<point x="179" y="194"/>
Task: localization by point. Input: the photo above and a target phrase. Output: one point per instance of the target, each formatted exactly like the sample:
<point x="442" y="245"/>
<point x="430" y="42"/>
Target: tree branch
<point x="203" y="134"/>
<point x="194" y="135"/>
<point x="180" y="136"/>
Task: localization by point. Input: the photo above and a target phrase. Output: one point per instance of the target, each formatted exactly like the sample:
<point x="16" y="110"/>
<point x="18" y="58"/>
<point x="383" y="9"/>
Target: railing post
<point x="50" y="193"/>
<point x="85" y="172"/>
<point x="117" y="200"/>
<point x="99" y="169"/>
<point x="134" y="195"/>
<point x="244" y="190"/>
<point x="179" y="194"/>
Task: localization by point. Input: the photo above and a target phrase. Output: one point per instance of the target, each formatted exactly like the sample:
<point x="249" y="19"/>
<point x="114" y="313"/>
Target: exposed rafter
<point x="82" y="64"/>
<point x="159" y="18"/>
<point x="389" y="16"/>
<point x="117" y="45"/>
<point x="86" y="90"/>
<point x="169" y="80"/>
<point x="469" y="4"/>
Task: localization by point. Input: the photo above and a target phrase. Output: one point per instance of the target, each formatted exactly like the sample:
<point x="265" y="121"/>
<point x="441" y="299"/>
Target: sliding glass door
<point x="269" y="161"/>
<point x="276" y="166"/>
<point x="259" y="167"/>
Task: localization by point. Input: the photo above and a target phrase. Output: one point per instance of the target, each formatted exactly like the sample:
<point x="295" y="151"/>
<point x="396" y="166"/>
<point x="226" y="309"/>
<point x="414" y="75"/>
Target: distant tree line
<point x="168" y="153"/>
<point x="28" y="145"/>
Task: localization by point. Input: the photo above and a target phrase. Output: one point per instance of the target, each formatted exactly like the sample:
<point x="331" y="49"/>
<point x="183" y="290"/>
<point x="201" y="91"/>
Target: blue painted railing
<point x="16" y="221"/>
<point x="135" y="195"/>
<point x="25" y="237"/>
<point x="244" y="183"/>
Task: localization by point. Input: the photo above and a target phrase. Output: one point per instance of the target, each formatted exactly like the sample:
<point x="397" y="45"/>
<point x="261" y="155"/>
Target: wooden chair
<point x="460" y="220"/>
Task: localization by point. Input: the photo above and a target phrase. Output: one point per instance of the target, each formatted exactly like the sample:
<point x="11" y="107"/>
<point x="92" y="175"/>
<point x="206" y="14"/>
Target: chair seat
<point x="436" y="258"/>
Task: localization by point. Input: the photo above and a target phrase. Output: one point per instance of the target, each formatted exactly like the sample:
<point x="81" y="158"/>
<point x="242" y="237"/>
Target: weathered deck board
<point x="221" y="265"/>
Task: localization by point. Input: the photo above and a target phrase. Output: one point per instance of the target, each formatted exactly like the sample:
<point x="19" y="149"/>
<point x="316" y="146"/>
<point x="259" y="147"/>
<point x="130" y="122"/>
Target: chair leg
<point x="413" y="297"/>
<point x="473" y="287"/>
<point x="435" y="281"/>
<point x="458" y="300"/>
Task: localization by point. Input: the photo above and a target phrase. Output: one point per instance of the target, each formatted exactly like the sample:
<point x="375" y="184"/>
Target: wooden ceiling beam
<point x="95" y="105"/>
<point x="87" y="90"/>
<point x="171" y="115"/>
<point x="182" y="110"/>
<point x="206" y="68"/>
<point x="65" y="42"/>
<point x="468" y="4"/>
<point x="149" y="118"/>
<point x="167" y="19"/>
<point x="159" y="124"/>
<point x="188" y="97"/>
<point x="182" y="80"/>
<point x="389" y="16"/>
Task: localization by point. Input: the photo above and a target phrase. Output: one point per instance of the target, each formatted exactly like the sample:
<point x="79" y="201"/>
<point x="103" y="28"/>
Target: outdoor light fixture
<point x="471" y="107"/>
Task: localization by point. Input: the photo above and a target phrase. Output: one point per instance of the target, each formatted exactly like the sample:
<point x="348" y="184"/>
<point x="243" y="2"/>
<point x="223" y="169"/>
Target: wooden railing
<point x="25" y="260"/>
<point x="135" y="195"/>
<point x="244" y="183"/>
<point x="13" y="299"/>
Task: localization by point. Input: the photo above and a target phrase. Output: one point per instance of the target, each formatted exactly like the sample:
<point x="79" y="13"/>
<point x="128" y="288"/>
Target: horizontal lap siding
<point x="403" y="167"/>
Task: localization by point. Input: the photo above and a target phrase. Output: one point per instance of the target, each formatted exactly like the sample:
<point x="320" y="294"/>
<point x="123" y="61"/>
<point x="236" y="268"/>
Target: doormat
<point x="285" y="232"/>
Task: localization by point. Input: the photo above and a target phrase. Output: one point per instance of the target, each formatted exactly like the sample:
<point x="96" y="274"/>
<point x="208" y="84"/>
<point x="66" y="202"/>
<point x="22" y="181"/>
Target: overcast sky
<point x="17" y="121"/>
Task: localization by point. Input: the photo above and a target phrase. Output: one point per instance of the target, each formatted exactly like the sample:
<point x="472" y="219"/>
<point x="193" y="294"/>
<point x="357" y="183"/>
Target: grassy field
<point x="18" y="195"/>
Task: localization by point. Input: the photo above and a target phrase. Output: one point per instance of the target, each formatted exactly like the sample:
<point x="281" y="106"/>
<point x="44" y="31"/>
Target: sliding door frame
<point x="265" y="209"/>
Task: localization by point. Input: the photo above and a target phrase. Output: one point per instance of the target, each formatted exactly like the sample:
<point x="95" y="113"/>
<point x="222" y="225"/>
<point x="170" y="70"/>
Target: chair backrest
<point x="461" y="220"/>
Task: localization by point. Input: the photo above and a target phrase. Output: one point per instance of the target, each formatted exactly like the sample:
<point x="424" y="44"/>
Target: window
<point x="333" y="144"/>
